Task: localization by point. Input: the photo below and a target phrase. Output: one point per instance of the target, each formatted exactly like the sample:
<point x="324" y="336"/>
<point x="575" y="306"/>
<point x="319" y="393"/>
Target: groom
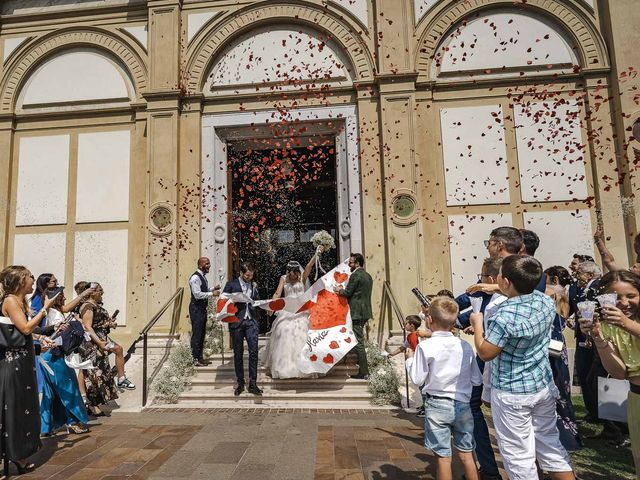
<point x="246" y="328"/>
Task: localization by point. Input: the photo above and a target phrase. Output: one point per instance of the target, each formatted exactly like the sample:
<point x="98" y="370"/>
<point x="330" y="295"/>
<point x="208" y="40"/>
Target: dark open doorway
<point x="280" y="197"/>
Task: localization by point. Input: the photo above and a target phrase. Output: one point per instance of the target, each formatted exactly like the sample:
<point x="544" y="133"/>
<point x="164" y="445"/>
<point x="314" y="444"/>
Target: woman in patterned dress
<point x="19" y="410"/>
<point x="557" y="280"/>
<point x="99" y="382"/>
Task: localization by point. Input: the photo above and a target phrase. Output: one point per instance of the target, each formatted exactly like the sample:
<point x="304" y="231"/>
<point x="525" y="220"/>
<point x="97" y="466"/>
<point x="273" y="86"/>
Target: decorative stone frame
<point x="32" y="54"/>
<point x="433" y="28"/>
<point x="202" y="53"/>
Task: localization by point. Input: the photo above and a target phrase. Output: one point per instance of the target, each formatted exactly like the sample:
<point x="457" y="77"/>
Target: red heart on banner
<point x="328" y="358"/>
<point x="230" y="320"/>
<point x="348" y="339"/>
<point x="340" y="277"/>
<point x="343" y="330"/>
<point x="334" y="345"/>
<point x="330" y="311"/>
<point x="306" y="306"/>
<point x="313" y="357"/>
<point x="277" y="305"/>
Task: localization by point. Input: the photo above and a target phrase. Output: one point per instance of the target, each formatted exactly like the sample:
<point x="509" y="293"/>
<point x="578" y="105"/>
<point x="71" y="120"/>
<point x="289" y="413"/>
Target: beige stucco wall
<point x="398" y="101"/>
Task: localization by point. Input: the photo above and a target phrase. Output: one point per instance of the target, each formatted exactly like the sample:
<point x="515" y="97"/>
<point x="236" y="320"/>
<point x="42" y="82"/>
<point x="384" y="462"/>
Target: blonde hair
<point x="12" y="278"/>
<point x="444" y="312"/>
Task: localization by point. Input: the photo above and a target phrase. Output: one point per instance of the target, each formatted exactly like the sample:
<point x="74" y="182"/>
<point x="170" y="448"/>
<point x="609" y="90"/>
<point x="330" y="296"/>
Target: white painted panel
<point x="76" y="76"/>
<point x="467" y="234"/>
<point x="504" y="39"/>
<point x="562" y="233"/>
<point x="43" y="171"/>
<point x="421" y="7"/>
<point x="103" y="176"/>
<point x="550" y="151"/>
<point x="41" y="253"/>
<point x="279" y="54"/>
<point x="140" y="33"/>
<point x="357" y="7"/>
<point x="475" y="155"/>
<point x="10" y="44"/>
<point x="196" y="21"/>
<point x="102" y="257"/>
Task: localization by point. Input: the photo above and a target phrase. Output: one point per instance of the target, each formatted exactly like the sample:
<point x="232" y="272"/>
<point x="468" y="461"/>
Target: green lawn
<point x="600" y="459"/>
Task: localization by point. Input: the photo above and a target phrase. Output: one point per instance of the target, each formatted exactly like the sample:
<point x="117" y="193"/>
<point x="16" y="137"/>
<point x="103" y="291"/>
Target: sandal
<point x="77" y="428"/>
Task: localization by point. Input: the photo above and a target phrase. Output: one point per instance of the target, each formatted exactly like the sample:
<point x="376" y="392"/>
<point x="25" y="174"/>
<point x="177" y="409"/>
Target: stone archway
<point x="202" y="55"/>
<point x="20" y="69"/>
<point x="592" y="49"/>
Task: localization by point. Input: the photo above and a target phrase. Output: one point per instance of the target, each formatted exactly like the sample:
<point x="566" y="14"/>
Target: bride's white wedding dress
<point x="288" y="337"/>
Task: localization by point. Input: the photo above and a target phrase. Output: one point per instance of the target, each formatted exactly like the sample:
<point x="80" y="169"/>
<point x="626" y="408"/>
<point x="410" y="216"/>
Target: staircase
<point x="212" y="387"/>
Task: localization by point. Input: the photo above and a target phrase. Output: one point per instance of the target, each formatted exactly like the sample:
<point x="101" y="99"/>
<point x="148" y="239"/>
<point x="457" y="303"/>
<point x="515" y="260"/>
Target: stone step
<point x="216" y="380"/>
<point x="277" y="397"/>
<point x="228" y="367"/>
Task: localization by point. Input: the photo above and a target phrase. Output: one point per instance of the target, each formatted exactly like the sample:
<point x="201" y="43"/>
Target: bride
<point x="289" y="331"/>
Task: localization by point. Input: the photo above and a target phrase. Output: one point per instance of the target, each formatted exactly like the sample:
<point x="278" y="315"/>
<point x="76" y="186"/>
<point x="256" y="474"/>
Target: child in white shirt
<point x="446" y="367"/>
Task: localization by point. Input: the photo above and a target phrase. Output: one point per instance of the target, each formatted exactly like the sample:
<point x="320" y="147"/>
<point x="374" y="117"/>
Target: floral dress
<point x="567" y="425"/>
<point x="19" y="412"/>
<point x="99" y="381"/>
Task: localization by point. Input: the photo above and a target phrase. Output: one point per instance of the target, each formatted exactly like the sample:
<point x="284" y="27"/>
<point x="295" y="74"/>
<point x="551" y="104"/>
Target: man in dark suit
<point x="245" y="329"/>
<point x="358" y="294"/>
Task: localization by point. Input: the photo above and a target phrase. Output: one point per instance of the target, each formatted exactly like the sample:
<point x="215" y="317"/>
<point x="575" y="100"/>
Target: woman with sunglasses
<point x="616" y="335"/>
<point x="20" y="417"/>
<point x="289" y="331"/>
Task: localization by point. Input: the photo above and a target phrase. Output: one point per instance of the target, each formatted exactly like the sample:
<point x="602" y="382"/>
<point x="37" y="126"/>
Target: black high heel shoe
<point x="22" y="469"/>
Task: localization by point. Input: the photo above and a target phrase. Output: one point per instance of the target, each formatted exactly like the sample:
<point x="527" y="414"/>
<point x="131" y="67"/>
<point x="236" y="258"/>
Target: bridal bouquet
<point x="323" y="240"/>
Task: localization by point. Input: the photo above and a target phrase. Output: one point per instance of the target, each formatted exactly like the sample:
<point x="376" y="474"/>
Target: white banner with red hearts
<point x="330" y="335"/>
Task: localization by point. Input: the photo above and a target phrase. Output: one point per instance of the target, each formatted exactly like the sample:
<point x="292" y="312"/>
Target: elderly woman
<point x="99" y="382"/>
<point x="616" y="335"/>
<point x="20" y="416"/>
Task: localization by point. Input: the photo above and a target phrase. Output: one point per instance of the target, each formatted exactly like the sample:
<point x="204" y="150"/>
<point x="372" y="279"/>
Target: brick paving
<point x="242" y="444"/>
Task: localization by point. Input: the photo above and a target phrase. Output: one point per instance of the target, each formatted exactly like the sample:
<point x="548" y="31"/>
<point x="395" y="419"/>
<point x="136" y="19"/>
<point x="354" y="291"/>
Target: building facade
<point x="126" y="125"/>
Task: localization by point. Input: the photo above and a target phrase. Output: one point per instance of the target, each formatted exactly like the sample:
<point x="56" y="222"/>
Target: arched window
<point x="279" y="57"/>
<point x="504" y="43"/>
<point x="76" y="77"/>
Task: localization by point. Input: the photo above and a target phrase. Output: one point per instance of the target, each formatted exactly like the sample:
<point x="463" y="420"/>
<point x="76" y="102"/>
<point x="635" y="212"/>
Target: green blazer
<point x="358" y="293"/>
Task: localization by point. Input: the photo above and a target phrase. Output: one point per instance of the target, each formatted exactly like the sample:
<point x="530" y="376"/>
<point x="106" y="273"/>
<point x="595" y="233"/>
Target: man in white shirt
<point x="446" y="367"/>
<point x="200" y="294"/>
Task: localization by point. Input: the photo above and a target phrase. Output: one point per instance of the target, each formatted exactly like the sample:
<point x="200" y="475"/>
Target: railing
<point x="389" y="301"/>
<point x="176" y="299"/>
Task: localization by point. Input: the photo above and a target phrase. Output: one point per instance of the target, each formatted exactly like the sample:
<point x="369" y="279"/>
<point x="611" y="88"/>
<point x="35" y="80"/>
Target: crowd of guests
<point x="54" y="361"/>
<point x="517" y="314"/>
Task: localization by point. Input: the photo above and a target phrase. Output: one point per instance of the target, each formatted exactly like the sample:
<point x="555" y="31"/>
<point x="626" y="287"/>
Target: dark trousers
<point x="198" y="317"/>
<point x="584" y="369"/>
<point x="484" y="451"/>
<point x="245" y="330"/>
<point x="359" y="327"/>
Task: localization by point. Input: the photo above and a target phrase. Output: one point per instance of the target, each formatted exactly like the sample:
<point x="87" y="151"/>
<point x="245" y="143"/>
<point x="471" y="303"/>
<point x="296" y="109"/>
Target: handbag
<point x="555" y="348"/>
<point x="612" y="399"/>
<point x="10" y="336"/>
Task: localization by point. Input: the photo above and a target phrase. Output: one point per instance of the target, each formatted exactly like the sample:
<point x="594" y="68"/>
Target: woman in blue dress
<point x="61" y="402"/>
<point x="46" y="283"/>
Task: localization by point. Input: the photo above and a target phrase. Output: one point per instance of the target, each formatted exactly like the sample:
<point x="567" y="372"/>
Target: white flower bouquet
<point x="323" y="241"/>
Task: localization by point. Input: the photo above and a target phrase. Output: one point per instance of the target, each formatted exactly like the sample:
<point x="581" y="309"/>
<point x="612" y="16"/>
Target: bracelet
<point x="43" y="311"/>
<point x="602" y="341"/>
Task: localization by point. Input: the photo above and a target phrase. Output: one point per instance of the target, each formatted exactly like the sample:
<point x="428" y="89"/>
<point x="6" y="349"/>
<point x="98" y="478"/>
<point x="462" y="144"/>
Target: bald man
<point x="200" y="294"/>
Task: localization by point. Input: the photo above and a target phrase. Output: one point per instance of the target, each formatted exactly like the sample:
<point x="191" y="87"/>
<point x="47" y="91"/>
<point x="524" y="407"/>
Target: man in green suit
<point x="358" y="294"/>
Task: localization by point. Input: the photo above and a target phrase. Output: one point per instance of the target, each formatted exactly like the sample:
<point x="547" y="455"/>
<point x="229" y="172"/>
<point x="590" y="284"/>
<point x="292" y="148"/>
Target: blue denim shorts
<point x="443" y="419"/>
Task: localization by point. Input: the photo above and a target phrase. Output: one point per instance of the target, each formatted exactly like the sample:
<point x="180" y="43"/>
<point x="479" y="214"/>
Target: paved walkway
<point x="241" y="444"/>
